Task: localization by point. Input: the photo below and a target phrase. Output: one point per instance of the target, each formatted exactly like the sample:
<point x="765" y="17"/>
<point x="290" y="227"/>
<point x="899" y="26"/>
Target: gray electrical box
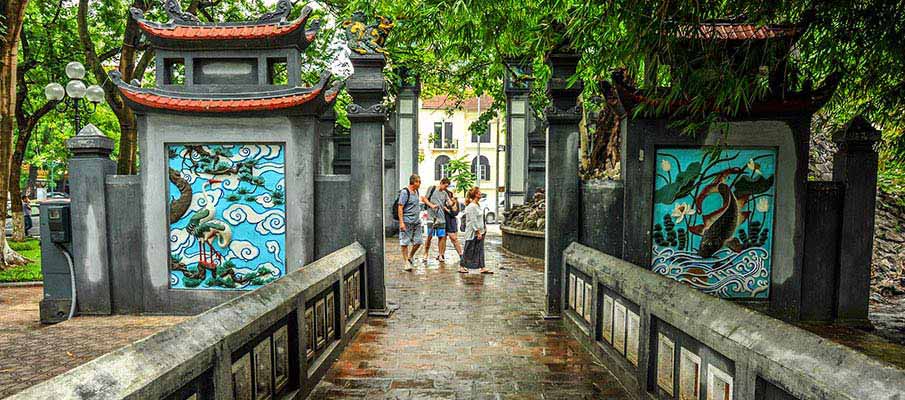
<point x="58" y="223"/>
<point x="56" y="236"/>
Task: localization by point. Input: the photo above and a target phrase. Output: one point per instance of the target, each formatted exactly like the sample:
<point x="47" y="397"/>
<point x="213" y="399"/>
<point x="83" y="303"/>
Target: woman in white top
<point x="473" y="255"/>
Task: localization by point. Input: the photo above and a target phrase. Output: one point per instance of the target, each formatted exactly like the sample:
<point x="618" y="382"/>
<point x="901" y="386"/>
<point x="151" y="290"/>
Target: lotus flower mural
<point x="713" y="219"/>
<point x="227" y="216"/>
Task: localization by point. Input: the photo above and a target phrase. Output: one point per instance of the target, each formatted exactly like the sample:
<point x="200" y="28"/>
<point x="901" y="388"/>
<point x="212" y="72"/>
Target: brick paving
<point x="466" y="337"/>
<point x="31" y="352"/>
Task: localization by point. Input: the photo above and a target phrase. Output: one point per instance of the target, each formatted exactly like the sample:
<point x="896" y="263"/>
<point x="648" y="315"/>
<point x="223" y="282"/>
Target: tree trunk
<point x="16" y="209"/>
<point x="13" y="15"/>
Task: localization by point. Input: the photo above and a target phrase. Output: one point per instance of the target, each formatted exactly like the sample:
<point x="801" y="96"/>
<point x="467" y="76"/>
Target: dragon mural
<point x="226" y="215"/>
<point x="365" y="38"/>
<point x="713" y="217"/>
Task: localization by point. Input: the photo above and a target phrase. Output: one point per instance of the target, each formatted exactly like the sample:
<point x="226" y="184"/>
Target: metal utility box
<point x="58" y="222"/>
<point x="55" y="226"/>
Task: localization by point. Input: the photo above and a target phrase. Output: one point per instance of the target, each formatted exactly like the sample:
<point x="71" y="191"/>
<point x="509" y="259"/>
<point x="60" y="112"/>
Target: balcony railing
<point x="446" y="144"/>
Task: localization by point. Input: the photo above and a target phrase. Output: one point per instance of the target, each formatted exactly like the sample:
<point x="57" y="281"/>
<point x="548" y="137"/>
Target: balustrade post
<point x="563" y="193"/>
<point x="367" y="115"/>
<point x="517" y="87"/>
<point x="88" y="168"/>
<point x="855" y="165"/>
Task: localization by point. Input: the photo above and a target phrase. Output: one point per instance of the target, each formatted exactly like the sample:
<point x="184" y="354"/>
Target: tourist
<point x="473" y="256"/>
<point x="452" y="224"/>
<point x="26" y="210"/>
<point x="409" y="220"/>
<point x="436" y="217"/>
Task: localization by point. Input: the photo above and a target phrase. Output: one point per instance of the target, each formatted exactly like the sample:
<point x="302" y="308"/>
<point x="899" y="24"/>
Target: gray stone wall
<point x="298" y="134"/>
<point x="124" y="242"/>
<point x="332" y="214"/>
<point x="601" y="216"/>
<point x="789" y="137"/>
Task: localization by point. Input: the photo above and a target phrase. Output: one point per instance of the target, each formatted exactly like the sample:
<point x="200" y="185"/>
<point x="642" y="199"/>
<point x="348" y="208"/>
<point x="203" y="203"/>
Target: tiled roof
<point x="443" y="102"/>
<point x="221" y="32"/>
<point x="737" y="31"/>
<point x="159" y="101"/>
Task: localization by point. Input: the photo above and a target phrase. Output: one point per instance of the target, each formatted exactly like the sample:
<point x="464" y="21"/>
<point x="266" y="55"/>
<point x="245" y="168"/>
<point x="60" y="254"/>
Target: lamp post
<point x="74" y="93"/>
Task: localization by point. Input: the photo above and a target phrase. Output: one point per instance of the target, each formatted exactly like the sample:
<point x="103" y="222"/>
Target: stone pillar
<point x="367" y="115"/>
<point x="88" y="168"/>
<point x="855" y="166"/>
<point x="390" y="175"/>
<point x="563" y="186"/>
<point x="407" y="106"/>
<point x="325" y="142"/>
<point x="518" y="113"/>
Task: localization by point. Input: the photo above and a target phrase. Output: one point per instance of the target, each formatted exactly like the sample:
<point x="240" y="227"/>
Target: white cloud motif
<point x="181" y="239"/>
<point x="258" y="152"/>
<point x="270" y="222"/>
<point x="242" y="249"/>
<point x="265" y="200"/>
<point x="265" y="167"/>
<point x="273" y="247"/>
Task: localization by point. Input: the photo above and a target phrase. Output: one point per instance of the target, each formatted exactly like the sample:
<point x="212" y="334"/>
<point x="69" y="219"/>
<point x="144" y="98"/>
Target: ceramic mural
<point x="713" y="219"/>
<point x="227" y="216"/>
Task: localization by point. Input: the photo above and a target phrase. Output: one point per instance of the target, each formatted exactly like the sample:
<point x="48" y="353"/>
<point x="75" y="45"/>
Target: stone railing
<point x="663" y="339"/>
<point x="275" y="342"/>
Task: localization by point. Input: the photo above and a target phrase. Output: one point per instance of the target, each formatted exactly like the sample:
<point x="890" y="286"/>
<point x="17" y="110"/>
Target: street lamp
<point x="76" y="92"/>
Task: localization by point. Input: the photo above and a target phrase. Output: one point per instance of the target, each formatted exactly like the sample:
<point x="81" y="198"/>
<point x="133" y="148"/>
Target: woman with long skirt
<point x="473" y="256"/>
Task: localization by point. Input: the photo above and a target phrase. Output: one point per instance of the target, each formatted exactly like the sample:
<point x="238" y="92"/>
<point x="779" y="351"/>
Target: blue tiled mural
<point x="227" y="216"/>
<point x="713" y="219"/>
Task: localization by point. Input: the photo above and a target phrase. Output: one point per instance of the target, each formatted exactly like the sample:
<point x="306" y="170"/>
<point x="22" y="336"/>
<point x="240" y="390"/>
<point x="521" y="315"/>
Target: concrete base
<point x="523" y="243"/>
<point x="383" y="312"/>
<point x="53" y="311"/>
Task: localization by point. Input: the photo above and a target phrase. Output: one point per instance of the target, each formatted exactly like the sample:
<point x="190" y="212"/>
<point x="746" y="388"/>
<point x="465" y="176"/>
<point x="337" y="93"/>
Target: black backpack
<point x="395" y="209"/>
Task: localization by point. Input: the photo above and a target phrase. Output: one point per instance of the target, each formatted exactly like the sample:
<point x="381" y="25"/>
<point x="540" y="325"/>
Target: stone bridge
<point x="331" y="315"/>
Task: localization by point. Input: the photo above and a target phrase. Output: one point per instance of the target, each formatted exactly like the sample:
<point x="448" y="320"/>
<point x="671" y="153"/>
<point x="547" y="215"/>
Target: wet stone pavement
<point x="31" y="353"/>
<point x="466" y="337"/>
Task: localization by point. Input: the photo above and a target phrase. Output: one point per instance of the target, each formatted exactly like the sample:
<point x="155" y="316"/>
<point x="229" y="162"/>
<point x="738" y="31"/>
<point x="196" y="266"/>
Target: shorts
<point x="437" y="231"/>
<point x="411" y="236"/>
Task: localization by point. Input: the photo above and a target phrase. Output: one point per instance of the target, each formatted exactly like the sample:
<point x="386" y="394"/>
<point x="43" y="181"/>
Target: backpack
<point x="394" y="210"/>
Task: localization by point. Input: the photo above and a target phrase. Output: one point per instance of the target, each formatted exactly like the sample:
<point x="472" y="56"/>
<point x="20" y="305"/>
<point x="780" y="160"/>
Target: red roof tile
<point x="734" y="31"/>
<point x="154" y="100"/>
<point x="220" y="32"/>
<point x="442" y="102"/>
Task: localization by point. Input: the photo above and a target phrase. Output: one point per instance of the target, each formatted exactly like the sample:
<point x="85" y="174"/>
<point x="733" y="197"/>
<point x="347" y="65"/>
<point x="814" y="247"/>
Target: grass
<point x="31" y="249"/>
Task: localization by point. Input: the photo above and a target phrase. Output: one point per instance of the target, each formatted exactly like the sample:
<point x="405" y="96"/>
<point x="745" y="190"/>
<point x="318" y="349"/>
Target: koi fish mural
<point x="713" y="219"/>
<point x="227" y="216"/>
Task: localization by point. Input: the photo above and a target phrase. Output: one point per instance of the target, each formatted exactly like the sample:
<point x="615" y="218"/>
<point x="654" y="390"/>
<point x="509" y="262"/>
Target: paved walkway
<point x="466" y="337"/>
<point x="31" y="353"/>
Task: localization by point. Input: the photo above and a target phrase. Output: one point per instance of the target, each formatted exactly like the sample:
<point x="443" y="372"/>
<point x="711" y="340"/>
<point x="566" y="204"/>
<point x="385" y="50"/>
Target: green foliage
<point x="30" y="249"/>
<point x="461" y="45"/>
<point x="481" y="126"/>
<point x="459" y="172"/>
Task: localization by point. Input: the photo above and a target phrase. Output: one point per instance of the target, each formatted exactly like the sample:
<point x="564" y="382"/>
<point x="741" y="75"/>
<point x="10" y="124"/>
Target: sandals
<point x="463" y="270"/>
<point x="486" y="271"/>
<point x="441" y="259"/>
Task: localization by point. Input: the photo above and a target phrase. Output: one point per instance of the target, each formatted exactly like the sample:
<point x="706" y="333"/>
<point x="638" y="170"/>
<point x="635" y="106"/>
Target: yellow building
<point x="443" y="135"/>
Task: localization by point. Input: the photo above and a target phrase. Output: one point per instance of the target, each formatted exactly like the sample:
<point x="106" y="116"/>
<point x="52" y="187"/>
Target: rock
<point x="529" y="216"/>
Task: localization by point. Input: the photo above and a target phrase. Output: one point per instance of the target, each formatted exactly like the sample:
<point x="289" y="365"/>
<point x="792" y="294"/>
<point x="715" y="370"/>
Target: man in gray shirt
<point x="408" y="209"/>
<point x="436" y="225"/>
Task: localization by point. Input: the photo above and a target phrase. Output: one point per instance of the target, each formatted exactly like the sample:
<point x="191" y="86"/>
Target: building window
<point x="485" y="138"/>
<point x="438" y="134"/>
<point x="484" y="164"/>
<point x="448" y="133"/>
<point x="440" y="165"/>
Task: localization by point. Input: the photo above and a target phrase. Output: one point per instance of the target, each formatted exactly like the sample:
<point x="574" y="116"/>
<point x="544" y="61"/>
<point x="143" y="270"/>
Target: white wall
<point x="461" y="120"/>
